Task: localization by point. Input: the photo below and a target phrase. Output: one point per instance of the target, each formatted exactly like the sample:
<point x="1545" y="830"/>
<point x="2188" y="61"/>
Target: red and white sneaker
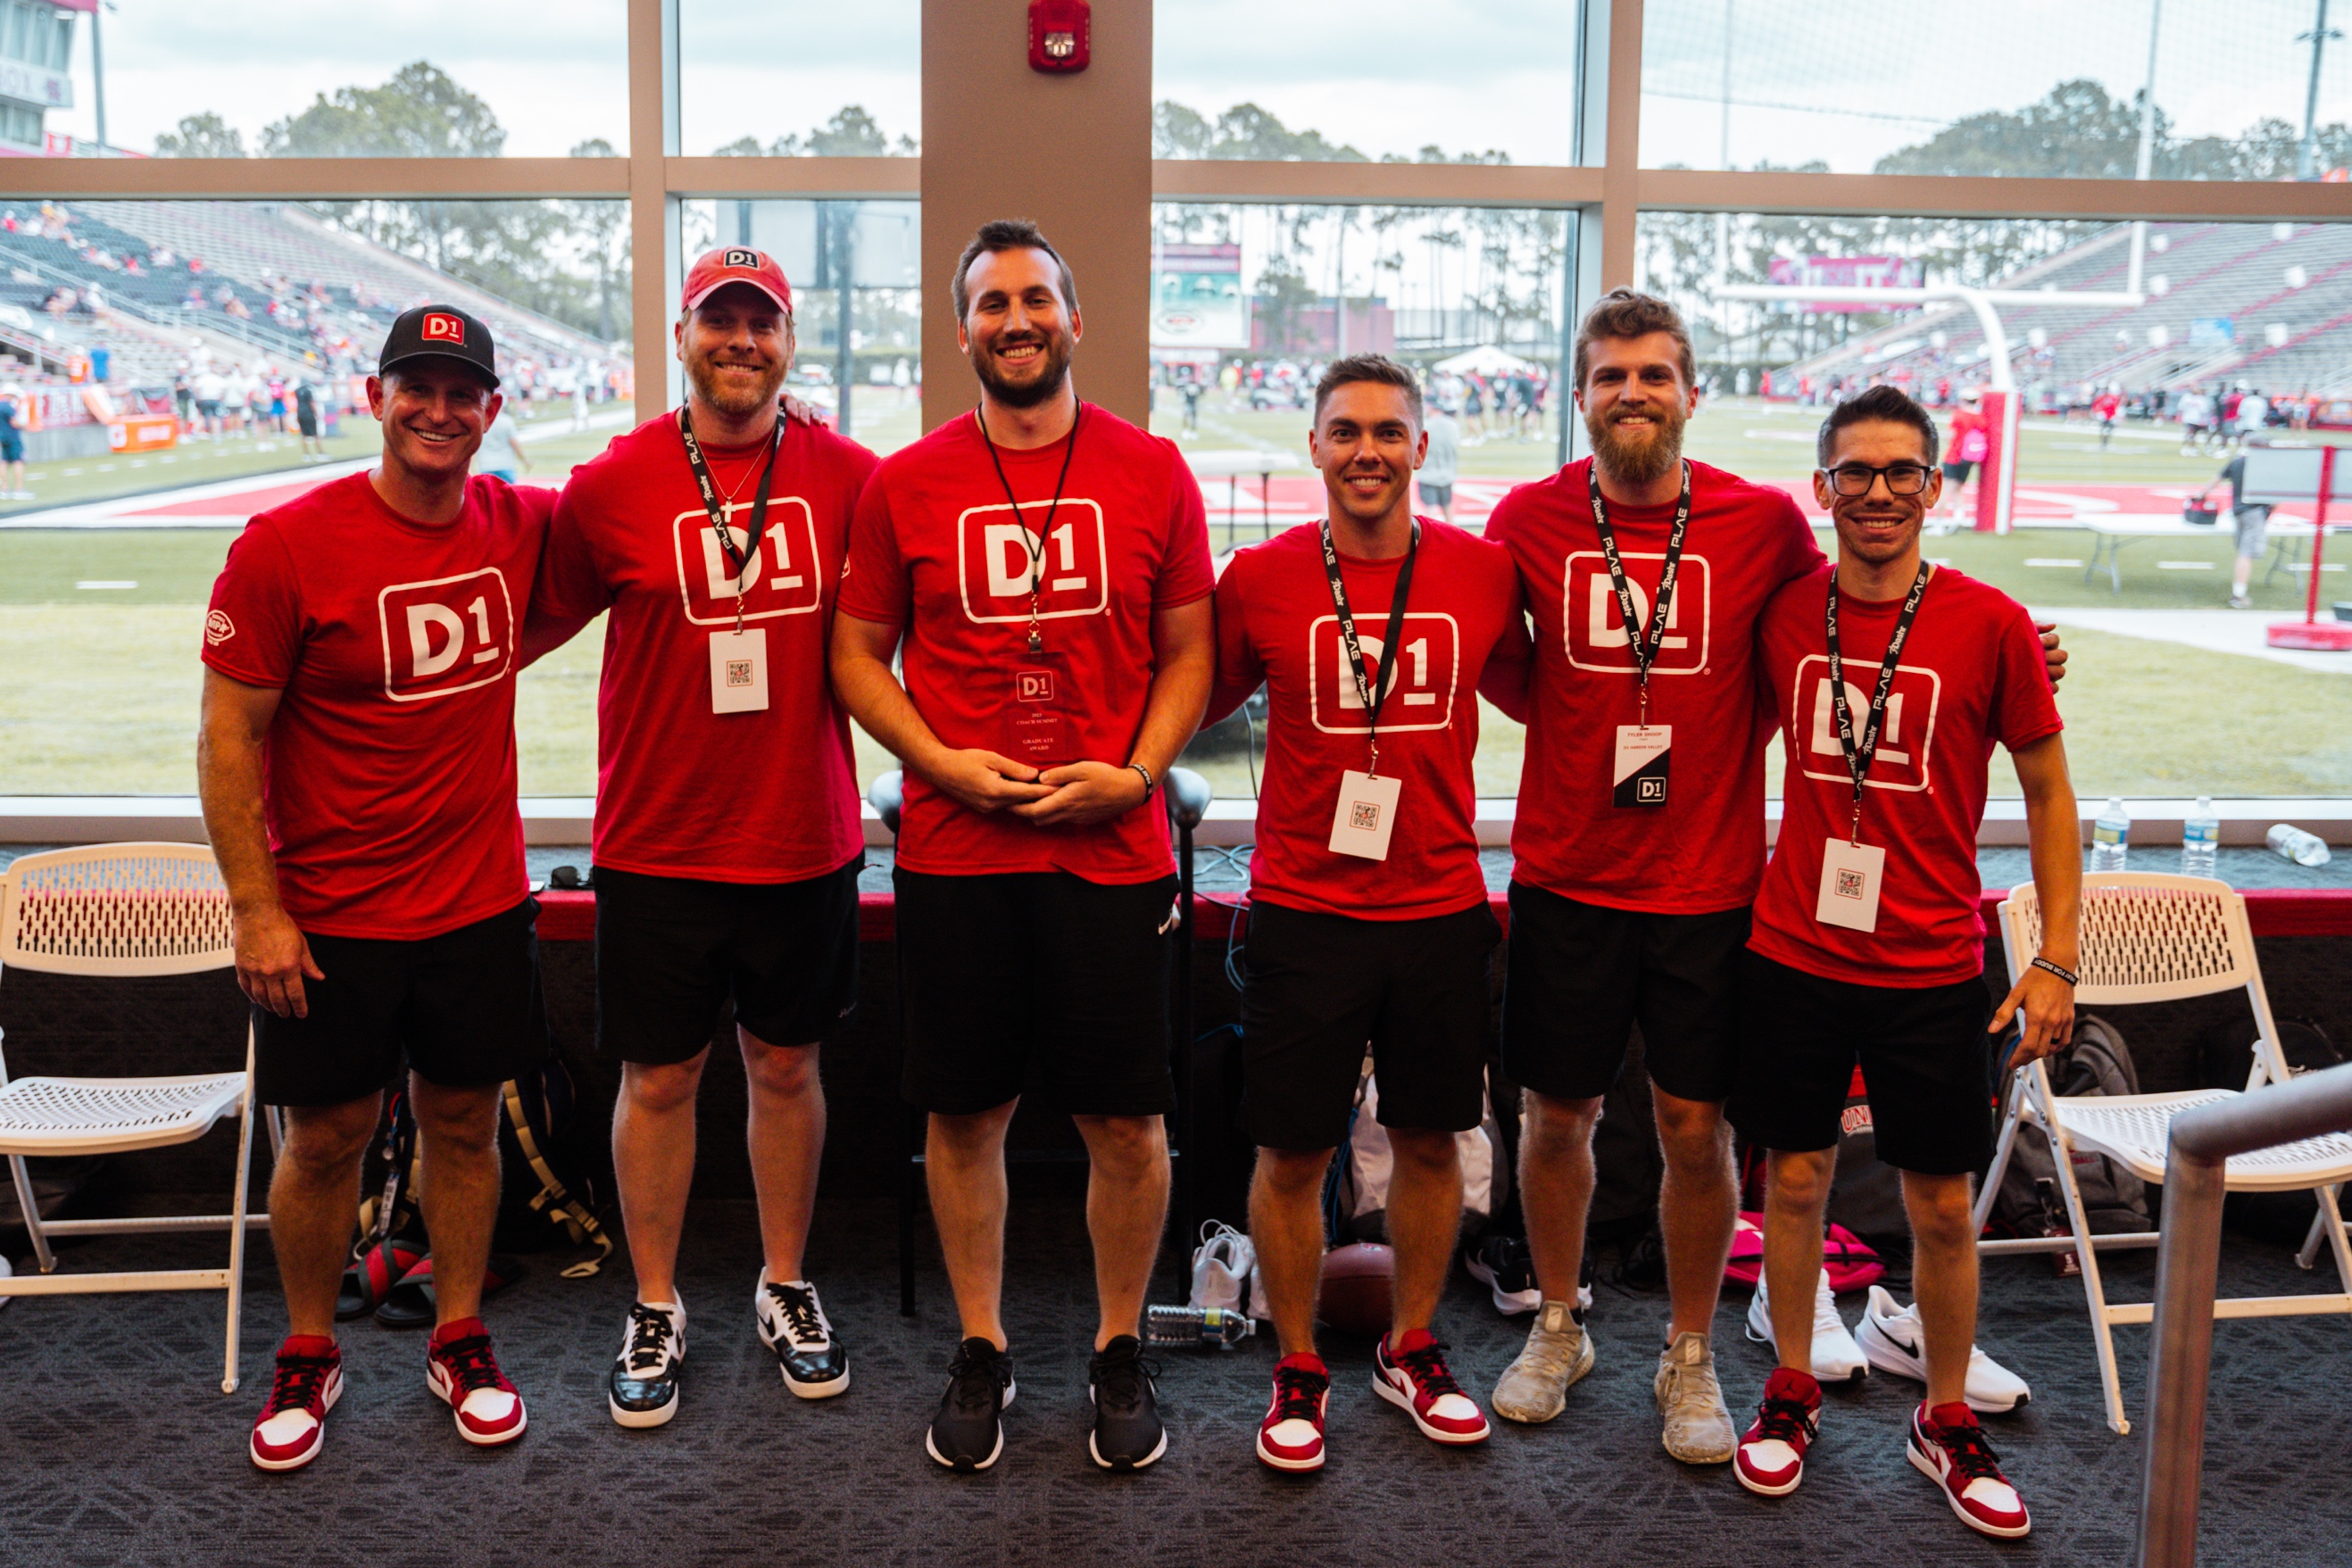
<point x="461" y="1371"/>
<point x="1950" y="1448"/>
<point x="1291" y="1435"/>
<point x="1411" y="1374"/>
<point x="1770" y="1460"/>
<point x="293" y="1424"/>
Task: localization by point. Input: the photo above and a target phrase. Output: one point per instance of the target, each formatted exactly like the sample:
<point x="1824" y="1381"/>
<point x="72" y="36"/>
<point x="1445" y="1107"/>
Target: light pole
<point x="2307" y="157"/>
<point x="2146" y="147"/>
<point x="97" y="70"/>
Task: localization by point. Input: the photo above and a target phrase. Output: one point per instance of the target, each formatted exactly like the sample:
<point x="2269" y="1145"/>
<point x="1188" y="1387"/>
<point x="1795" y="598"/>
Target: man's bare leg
<point x="457" y="1130"/>
<point x="1556" y="1182"/>
<point x="314" y="1204"/>
<point x="1943" y="1275"/>
<point x="1285" y="1220"/>
<point x="1126" y="1208"/>
<point x="653" y="1166"/>
<point x="1796" y="1192"/>
<point x="963" y="1166"/>
<point x="1699" y="1204"/>
<point x="1424" y="1216"/>
<point x="786" y="1134"/>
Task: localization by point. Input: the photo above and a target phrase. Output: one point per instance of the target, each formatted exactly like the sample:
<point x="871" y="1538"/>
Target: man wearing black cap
<point x="727" y="840"/>
<point x="357" y="765"/>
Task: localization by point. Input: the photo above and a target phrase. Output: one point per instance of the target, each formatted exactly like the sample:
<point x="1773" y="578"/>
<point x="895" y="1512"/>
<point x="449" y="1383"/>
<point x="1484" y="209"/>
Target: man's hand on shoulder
<point x="2053" y="657"/>
<point x="1084" y="793"/>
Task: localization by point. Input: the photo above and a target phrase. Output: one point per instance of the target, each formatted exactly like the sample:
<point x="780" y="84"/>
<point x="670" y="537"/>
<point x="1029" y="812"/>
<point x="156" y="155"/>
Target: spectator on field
<point x="501" y="455"/>
<point x="12" y="442"/>
<point x="2196" y="420"/>
<point x="2252" y="525"/>
<point x="2110" y="407"/>
<point x="2253" y="414"/>
<point x="1444" y="461"/>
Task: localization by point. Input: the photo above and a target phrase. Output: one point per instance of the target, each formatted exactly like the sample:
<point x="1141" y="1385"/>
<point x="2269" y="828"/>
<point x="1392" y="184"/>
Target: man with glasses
<point x="1639" y="837"/>
<point x="1893" y="680"/>
<point x="728" y="842"/>
<point x="1042" y="568"/>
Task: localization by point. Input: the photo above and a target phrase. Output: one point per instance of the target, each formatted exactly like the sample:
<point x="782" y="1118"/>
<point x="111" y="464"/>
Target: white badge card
<point x="1638" y="776"/>
<point x="1367" y="815"/>
<point x="738" y="670"/>
<point x="1851" y="874"/>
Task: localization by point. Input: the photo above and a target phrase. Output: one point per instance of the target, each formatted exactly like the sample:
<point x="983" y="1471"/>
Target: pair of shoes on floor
<point x="1888" y="1338"/>
<point x="644" y="1389"/>
<point x="1945" y="1444"/>
<point x="1409" y="1372"/>
<point x="967" y="1435"/>
<point x="459" y="1368"/>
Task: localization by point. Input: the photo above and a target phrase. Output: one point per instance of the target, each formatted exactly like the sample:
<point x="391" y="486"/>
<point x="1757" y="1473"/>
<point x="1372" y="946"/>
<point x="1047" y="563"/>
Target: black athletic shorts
<point x="1319" y="988"/>
<point x="463" y="1008"/>
<point x="1924" y="1058"/>
<point x="1018" y="982"/>
<point x="1582" y="975"/>
<point x="671" y="951"/>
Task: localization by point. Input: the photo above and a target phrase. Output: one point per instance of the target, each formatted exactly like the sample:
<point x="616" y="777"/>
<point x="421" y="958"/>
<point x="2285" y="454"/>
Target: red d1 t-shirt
<point x="1703" y="850"/>
<point x="936" y="552"/>
<point x="1275" y="624"/>
<point x="388" y="780"/>
<point x="766" y="796"/>
<point x="1971" y="674"/>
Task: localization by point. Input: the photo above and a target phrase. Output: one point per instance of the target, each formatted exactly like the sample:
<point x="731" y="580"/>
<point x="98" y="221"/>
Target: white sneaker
<point x="1222" y="1266"/>
<point x="1836" y="1358"/>
<point x="1890" y="1337"/>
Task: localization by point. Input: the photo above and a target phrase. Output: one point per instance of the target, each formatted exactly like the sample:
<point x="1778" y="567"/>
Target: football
<point x="1359" y="1289"/>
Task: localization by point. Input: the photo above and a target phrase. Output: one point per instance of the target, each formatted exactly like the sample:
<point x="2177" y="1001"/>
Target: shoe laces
<point x="299" y="1381"/>
<point x="1427" y="1365"/>
<point x="1790" y="1421"/>
<point x="469" y="1361"/>
<point x="975" y="1379"/>
<point x="1971" y="1454"/>
<point x="1121" y="1375"/>
<point x="1298" y="1393"/>
<point x="650" y="1331"/>
<point x="803" y="1319"/>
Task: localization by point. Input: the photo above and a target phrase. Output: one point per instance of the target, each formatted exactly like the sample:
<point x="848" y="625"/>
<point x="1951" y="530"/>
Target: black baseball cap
<point x="441" y="332"/>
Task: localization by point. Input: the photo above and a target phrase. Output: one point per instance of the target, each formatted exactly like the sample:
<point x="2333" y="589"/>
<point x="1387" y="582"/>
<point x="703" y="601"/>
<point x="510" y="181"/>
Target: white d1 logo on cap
<point x="740" y="258"/>
<point x="445" y="636"/>
<point x="441" y="326"/>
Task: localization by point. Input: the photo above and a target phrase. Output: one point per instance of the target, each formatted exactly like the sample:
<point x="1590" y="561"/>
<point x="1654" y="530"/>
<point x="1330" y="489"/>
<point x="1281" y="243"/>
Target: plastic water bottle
<point x="2111" y="836"/>
<point x="2200" y="838"/>
<point x="2302" y="848"/>
<point x="1194" y="1328"/>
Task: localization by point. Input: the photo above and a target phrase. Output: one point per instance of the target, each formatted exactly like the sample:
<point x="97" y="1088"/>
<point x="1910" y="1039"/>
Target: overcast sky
<point x="1805" y="82"/>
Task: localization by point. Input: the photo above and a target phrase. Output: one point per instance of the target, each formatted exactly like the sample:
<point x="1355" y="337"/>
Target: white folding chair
<point x="2152" y="937"/>
<point x="123" y="910"/>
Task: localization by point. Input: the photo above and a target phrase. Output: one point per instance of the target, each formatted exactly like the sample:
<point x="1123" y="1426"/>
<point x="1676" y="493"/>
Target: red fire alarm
<point x="1060" y="35"/>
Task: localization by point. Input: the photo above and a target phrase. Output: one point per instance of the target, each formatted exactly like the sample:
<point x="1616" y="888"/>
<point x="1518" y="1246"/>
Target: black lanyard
<point x="1859" y="754"/>
<point x="736" y="563"/>
<point x="1378" y="691"/>
<point x="1645" y="647"/>
<point x="1036" y="552"/>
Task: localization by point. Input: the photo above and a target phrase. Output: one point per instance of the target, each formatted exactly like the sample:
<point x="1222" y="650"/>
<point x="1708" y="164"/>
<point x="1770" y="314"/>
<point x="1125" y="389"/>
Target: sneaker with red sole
<point x="1291" y="1435"/>
<point x="1411" y="1374"/>
<point x="1949" y="1449"/>
<point x="1770" y="1460"/>
<point x="293" y="1424"/>
<point x="464" y="1376"/>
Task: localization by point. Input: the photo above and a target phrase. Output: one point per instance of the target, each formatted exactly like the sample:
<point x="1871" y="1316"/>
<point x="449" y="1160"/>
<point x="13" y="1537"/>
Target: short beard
<point x="1638" y="463"/>
<point x="1027" y="395"/>
<point x="700" y="371"/>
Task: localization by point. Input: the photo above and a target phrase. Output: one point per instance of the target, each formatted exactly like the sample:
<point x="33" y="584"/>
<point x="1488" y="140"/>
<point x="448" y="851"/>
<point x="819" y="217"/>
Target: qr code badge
<point x="1849" y="884"/>
<point x="739" y="672"/>
<point x="1365" y="815"/>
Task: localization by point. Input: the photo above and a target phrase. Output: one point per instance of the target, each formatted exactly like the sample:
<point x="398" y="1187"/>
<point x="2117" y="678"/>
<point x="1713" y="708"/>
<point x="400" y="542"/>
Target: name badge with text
<point x="1851" y="876"/>
<point x="1038" y="727"/>
<point x="1367" y="815"/>
<point x="739" y="671"/>
<point x="1639" y="773"/>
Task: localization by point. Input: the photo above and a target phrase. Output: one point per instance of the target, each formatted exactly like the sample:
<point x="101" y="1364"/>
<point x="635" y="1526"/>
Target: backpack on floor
<point x="1359" y="1195"/>
<point x="1850" y="1262"/>
<point x="554" y="1201"/>
<point x="2227" y="1053"/>
<point x="389" y="1178"/>
<point x="2114" y="1201"/>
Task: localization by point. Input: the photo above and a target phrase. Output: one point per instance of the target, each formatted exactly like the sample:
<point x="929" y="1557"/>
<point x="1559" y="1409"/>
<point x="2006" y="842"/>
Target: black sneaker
<point x="1127" y="1433"/>
<point x="643" y="1391"/>
<point x="966" y="1435"/>
<point x="792" y="1323"/>
<point x="1504" y="1266"/>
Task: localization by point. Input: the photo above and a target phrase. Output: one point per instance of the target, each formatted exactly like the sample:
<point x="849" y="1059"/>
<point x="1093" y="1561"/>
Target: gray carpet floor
<point x="120" y="1449"/>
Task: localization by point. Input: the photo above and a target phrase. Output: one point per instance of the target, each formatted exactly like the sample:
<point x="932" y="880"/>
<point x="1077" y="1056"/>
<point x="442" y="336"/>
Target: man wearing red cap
<point x="728" y="842"/>
<point x="357" y="765"/>
<point x="1046" y="565"/>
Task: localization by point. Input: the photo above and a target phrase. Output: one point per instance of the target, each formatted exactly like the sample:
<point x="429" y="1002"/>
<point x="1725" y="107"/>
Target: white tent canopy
<point x="1486" y="360"/>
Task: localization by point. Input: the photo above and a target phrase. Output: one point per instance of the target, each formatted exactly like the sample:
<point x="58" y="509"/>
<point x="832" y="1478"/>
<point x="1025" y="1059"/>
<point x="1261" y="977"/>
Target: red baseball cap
<point x="736" y="264"/>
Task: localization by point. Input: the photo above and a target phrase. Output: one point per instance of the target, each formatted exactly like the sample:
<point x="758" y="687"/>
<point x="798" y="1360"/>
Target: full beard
<point x="1638" y="461"/>
<point x="729" y="400"/>
<point x="1047" y="384"/>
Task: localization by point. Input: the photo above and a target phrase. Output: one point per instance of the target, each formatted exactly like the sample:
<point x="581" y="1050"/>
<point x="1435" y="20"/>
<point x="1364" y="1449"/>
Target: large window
<point x="797" y="78"/>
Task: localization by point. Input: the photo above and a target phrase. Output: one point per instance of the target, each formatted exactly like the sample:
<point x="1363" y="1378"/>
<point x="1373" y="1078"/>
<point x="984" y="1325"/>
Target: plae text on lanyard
<point x="1035" y="547"/>
<point x="1365" y="814"/>
<point x="1639" y="769"/>
<point x="1853" y="874"/>
<point x="738" y="563"/>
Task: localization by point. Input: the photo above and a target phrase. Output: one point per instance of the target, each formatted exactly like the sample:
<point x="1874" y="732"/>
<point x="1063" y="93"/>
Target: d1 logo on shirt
<point x="996" y="557"/>
<point x="783" y="581"/>
<point x="445" y="636"/>
<point x="1594" y="628"/>
<point x="1421" y="682"/>
<point x="1904" y="741"/>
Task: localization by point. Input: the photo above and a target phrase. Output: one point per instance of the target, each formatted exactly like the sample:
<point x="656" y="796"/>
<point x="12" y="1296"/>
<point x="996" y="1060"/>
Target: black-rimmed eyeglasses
<point x="1901" y="478"/>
